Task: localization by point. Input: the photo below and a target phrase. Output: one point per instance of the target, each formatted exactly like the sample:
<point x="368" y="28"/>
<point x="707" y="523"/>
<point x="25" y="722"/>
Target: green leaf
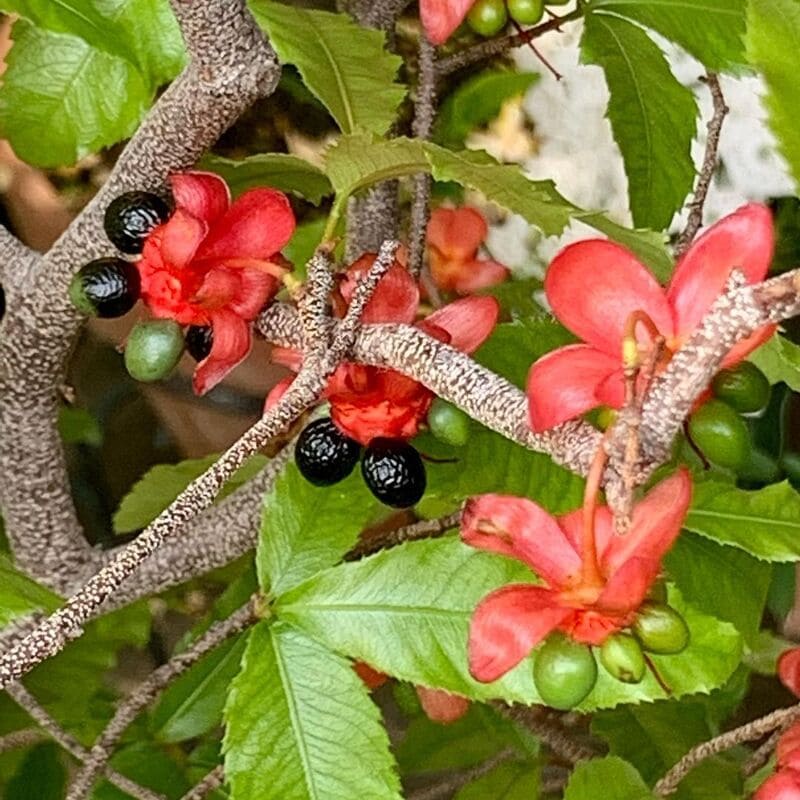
<point x="19" y="594"/>
<point x="160" y="485"/>
<point x="346" y="66"/>
<point x="307" y="236"/>
<point x="740" y="582"/>
<point x="79" y="426"/>
<point x="711" y="30"/>
<point x="81" y="74"/>
<point x="779" y="360"/>
<point x="278" y="170"/>
<point x="513" y="781"/>
<point x="773" y="45"/>
<point x="377" y="610"/>
<point x="301" y="725"/>
<point x="618" y="779"/>
<point x="306" y="528"/>
<point x="192" y="705"/>
<point x="41" y="776"/>
<point x="149" y="766"/>
<point x="477" y="101"/>
<point x="764" y="523"/>
<point x="652" y="115"/>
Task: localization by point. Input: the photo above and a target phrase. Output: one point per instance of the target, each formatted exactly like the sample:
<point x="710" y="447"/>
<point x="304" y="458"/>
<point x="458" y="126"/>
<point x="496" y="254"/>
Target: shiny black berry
<point x="107" y="287"/>
<point x="324" y="455"/>
<point x="394" y="472"/>
<point x="199" y="339"/>
<point x="131" y="216"/>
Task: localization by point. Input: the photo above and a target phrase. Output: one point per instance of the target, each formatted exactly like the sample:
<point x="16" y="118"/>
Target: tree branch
<point x="16" y="261"/>
<point x="212" y="781"/>
<point x="424" y="529"/>
<point x="453" y="782"/>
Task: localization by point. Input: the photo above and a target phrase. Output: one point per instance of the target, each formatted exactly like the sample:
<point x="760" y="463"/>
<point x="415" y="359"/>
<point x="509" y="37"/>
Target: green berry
<point x="744" y="387"/>
<point x="760" y="468"/>
<point x="488" y="17"/>
<point x="623" y="659"/>
<point x="564" y="672"/>
<point x="721" y="434"/>
<point x="526" y="12"/>
<point x="448" y="423"/>
<point x="660" y="629"/>
<point x="153" y="349"/>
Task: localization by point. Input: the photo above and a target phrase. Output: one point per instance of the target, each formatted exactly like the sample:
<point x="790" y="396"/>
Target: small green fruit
<point x="564" y="672"/>
<point x="721" y="434"/>
<point x="488" y="17"/>
<point x="661" y="629"/>
<point x="744" y="387"/>
<point x="448" y="423"/>
<point x="623" y="659"/>
<point x="153" y="349"/>
<point x="526" y="12"/>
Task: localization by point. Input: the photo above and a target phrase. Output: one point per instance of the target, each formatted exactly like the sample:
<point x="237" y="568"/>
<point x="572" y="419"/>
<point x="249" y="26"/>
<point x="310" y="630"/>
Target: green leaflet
<point x="19" y="594"/>
<point x="620" y="781"/>
<point x="301" y="725"/>
<point x="779" y="360"/>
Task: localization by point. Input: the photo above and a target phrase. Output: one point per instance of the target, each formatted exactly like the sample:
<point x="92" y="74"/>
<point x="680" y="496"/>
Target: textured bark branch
<point x="451" y="784"/>
<point x="146" y="692"/>
<point x="424" y="529"/>
<point x="20" y="739"/>
<point x="372" y="14"/>
<point x="231" y="66"/>
<point x="212" y="781"/>
<point x="16" y="261"/>
<point x="27" y="701"/>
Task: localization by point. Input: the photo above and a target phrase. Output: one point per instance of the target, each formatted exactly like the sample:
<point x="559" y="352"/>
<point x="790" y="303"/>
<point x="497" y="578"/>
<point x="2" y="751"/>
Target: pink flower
<point x="588" y="604"/>
<point x="595" y="286"/>
<point x="454" y="238"/>
<point x="789" y="670"/>
<point x="216" y="263"/>
<point x="785" y="783"/>
<point x="440" y="18"/>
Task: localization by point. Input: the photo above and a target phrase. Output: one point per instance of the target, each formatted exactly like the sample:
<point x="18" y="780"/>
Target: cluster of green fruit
<point x="565" y="671"/>
<point x="109" y="287"/>
<point x="489" y="17"/>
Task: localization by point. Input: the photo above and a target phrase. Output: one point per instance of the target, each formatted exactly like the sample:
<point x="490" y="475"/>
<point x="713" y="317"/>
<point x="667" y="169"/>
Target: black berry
<point x="199" y="339"/>
<point x="324" y="455"/>
<point x="106" y="287"/>
<point x="394" y="472"/>
<point x="130" y="218"/>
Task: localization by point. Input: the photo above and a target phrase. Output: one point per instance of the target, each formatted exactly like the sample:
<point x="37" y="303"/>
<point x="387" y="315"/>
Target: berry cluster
<point x="565" y="671"/>
<point x="489" y="17"/>
<point x="392" y="469"/>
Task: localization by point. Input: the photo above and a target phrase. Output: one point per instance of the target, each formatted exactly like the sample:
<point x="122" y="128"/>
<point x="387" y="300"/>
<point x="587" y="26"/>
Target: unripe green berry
<point x="153" y="349"/>
<point x="721" y="434"/>
<point x="448" y="423"/>
<point x="564" y="672"/>
<point x="661" y="629"/>
<point x="622" y="657"/>
<point x="526" y="12"/>
<point x="488" y="17"/>
<point x="744" y="387"/>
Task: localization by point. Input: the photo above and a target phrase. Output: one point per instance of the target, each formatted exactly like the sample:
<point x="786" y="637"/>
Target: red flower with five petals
<point x="216" y="263"/>
<point x="594" y="287"/>
<point x="440" y="18"/>
<point x="785" y="783"/>
<point x="454" y="237"/>
<point x="371" y="402"/>
<point x="588" y="607"/>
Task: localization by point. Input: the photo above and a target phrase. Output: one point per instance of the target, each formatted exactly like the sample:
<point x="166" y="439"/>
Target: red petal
<point x="594" y="286"/>
<point x="516" y="527"/>
<point x="287" y="357"/>
<point x="507" y="625"/>
<point x="743" y="348"/>
<point x="477" y="275"/>
<point x="457" y="233"/>
<point x="254" y="291"/>
<point x="565" y="383"/>
<point x="441" y="706"/>
<point x="788" y="749"/>
<point x="628" y="586"/>
<point x="655" y="525"/>
<point x="395" y="299"/>
<point x="202" y="194"/>
<point x="789" y="670"/>
<point x="441" y="17"/>
<point x="232" y="340"/>
<point x="371" y="677"/>
<point x="468" y="321"/>
<point x="181" y="237"/>
<point x="743" y="240"/>
<point x="257" y="225"/>
<point x="784" y="785"/>
<point x="276" y="392"/>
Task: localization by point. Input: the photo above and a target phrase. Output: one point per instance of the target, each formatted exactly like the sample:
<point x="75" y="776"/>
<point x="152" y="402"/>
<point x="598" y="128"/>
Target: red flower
<point x="371" y="402"/>
<point x="789" y="670"/>
<point x="216" y="263"/>
<point x="587" y="606"/>
<point x="593" y="288"/>
<point x="785" y="783"/>
<point x="454" y="237"/>
<point x="441" y="17"/>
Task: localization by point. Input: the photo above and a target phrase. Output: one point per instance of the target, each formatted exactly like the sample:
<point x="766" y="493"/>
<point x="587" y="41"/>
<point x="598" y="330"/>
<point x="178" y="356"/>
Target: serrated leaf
<point x="278" y="170"/>
<point x="301" y="725"/>
<point x="773" y="45"/>
<point x="513" y="781"/>
<point x="346" y="66"/>
<point x="619" y="781"/>
<point x="652" y="115"/>
<point x="764" y="523"/>
<point x="81" y="75"/>
<point x="711" y="30"/>
<point x="779" y="360"/>
<point x="306" y="528"/>
<point x="377" y="610"/>
<point x="740" y="582"/>
<point x="161" y="484"/>
<point x="20" y="595"/>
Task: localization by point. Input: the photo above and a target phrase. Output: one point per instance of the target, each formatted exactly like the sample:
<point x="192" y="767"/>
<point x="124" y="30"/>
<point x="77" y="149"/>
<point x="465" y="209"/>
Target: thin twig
<point x="763" y="753"/>
<point x="147" y="691"/>
<point x="27" y="701"/>
<point x="20" y="739"/>
<point x="450" y="784"/>
<point x="212" y="781"/>
<point x="709" y="166"/>
<point x="424" y="529"/>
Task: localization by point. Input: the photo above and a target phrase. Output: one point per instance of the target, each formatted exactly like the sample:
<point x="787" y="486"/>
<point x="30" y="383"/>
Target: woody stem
<point x="590" y="568"/>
